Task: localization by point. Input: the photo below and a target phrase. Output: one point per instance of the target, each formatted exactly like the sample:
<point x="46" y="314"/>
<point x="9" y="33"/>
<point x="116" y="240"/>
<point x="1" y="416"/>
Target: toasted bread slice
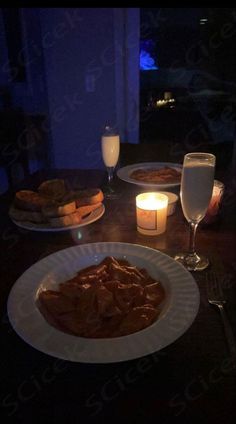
<point x="53" y="189"/>
<point x="85" y="210"/>
<point x="29" y="200"/>
<point x="67" y="220"/>
<point x="89" y="196"/>
<point x="20" y="215"/>
<point x="57" y="209"/>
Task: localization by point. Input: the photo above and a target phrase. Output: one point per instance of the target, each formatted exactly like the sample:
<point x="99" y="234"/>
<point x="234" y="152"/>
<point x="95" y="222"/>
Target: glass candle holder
<point x="151" y="213"/>
<point x="213" y="210"/>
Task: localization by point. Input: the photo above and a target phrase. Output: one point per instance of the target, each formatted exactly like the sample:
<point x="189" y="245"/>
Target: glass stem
<point x="110" y="174"/>
<point x="192" y="234"/>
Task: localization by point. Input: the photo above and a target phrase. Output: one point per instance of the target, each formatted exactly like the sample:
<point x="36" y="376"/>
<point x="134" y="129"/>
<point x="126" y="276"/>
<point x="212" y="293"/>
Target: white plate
<point x="178" y="313"/>
<point x="92" y="217"/>
<point x="124" y="173"/>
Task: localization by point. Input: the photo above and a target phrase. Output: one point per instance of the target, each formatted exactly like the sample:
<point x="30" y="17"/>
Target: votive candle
<point x="151" y="213"/>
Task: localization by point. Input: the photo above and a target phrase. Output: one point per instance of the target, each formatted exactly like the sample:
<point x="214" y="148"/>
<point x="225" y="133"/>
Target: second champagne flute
<point x="110" y="153"/>
<point x="195" y="193"/>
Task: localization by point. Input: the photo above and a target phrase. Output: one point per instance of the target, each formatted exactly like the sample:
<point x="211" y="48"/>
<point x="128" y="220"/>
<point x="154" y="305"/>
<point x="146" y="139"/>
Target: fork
<point x="216" y="297"/>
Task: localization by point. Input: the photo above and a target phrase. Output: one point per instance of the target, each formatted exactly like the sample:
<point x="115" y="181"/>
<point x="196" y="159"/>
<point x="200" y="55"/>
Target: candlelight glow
<point x="151" y="201"/>
<point x="151" y="212"/>
<point x="214" y="205"/>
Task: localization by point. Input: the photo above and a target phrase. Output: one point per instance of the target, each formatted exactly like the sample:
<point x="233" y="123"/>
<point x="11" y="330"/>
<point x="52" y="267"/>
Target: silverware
<point x="216" y="297"/>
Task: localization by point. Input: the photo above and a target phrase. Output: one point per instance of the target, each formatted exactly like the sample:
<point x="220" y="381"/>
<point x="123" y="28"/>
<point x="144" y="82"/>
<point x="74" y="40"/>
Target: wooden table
<point x="189" y="381"/>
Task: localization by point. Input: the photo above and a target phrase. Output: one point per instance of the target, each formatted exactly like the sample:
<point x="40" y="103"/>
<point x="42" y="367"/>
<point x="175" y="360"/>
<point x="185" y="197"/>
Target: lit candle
<point x="151" y="213"/>
<point x="213" y="208"/>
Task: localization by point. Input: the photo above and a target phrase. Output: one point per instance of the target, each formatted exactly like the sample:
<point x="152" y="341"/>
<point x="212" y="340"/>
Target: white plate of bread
<point x="54" y="207"/>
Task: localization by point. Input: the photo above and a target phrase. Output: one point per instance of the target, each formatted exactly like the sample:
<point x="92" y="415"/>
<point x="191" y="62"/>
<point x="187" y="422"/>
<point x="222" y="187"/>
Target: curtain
<point x="126" y="41"/>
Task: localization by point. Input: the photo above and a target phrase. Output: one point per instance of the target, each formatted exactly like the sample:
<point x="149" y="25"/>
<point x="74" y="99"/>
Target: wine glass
<point x="110" y="153"/>
<point x="195" y="194"/>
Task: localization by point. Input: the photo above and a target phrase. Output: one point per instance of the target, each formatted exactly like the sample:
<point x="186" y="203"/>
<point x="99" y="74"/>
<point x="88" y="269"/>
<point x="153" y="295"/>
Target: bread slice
<point x="67" y="220"/>
<point x="85" y="210"/>
<point x="89" y="196"/>
<point x="30" y="216"/>
<point x="29" y="200"/>
<point x="54" y="210"/>
<point x="74" y="218"/>
<point x="53" y="189"/>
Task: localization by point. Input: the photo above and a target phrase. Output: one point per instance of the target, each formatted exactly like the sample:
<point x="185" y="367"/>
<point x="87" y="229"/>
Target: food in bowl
<point x="166" y="175"/>
<point x="111" y="299"/>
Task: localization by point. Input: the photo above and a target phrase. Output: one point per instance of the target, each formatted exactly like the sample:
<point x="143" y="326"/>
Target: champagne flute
<point x="110" y="153"/>
<point x="195" y="194"/>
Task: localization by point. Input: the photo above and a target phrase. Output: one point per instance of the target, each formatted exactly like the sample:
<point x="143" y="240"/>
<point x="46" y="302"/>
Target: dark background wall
<point x="80" y="77"/>
<point x="71" y="71"/>
<point x="58" y="67"/>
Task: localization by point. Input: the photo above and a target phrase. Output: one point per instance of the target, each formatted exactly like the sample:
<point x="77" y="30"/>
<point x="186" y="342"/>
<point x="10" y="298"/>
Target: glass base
<point x="192" y="262"/>
<point x="110" y="193"/>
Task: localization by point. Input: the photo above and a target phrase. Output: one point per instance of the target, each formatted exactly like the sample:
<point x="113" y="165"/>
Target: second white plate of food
<point x="178" y="312"/>
<point x="89" y="219"/>
<point x="125" y="173"/>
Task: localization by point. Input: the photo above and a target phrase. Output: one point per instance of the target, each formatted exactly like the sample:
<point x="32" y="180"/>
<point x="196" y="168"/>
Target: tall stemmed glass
<point x="110" y="144"/>
<point x="195" y="194"/>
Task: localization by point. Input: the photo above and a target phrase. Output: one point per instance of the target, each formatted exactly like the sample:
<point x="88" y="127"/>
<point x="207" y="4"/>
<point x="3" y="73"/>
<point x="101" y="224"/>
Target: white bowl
<point x="177" y="315"/>
<point x="172" y="200"/>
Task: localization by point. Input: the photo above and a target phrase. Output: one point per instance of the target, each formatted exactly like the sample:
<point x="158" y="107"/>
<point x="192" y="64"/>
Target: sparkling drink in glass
<point x="110" y="145"/>
<point x="195" y="194"/>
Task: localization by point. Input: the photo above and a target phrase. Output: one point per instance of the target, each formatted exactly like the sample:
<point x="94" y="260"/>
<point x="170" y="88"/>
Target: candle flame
<point x="151" y="201"/>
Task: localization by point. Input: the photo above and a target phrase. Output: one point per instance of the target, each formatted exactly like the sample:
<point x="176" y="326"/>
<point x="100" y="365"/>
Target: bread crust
<point x="54" y="189"/>
<point x="29" y="200"/>
<point x="85" y="210"/>
<point x="88" y="197"/>
<point x="57" y="210"/>
<point x="64" y="221"/>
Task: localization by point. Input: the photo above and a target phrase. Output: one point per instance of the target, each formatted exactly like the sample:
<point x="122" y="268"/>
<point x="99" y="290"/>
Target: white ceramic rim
<point x="123" y="173"/>
<point x="178" y="313"/>
<point x="92" y="217"/>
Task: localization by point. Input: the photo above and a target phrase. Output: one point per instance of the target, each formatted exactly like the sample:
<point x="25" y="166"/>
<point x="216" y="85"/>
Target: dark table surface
<point x="189" y="381"/>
